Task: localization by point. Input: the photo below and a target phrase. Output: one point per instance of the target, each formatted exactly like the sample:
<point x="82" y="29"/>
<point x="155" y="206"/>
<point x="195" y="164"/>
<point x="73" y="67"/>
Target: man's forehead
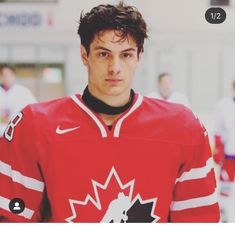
<point x="113" y="38"/>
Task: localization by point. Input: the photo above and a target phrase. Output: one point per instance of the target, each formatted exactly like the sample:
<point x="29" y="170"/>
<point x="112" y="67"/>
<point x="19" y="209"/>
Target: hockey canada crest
<point x="113" y="202"/>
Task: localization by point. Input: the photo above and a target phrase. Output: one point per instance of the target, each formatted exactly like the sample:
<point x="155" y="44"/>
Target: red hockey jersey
<point x="154" y="165"/>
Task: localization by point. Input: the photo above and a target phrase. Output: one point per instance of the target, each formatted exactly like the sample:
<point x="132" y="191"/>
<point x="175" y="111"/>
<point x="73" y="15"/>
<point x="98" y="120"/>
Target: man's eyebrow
<point x="129" y="49"/>
<point x="105" y="49"/>
<point x="102" y="48"/>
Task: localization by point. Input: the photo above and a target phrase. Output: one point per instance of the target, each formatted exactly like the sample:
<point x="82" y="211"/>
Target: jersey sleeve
<point x="20" y="175"/>
<point x="194" y="196"/>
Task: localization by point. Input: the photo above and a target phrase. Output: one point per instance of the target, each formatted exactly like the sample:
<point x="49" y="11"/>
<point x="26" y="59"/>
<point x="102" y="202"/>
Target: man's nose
<point x="114" y="67"/>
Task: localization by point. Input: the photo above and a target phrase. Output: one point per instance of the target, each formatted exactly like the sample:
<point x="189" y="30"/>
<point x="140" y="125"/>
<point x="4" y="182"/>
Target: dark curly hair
<point x="126" y="19"/>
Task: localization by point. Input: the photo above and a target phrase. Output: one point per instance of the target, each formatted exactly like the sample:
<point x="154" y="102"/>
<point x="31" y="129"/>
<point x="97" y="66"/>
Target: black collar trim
<point x="100" y="107"/>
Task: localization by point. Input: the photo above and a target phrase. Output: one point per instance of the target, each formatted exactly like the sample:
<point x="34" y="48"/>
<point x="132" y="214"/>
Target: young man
<point x="224" y="153"/>
<point x="110" y="155"/>
<point x="165" y="91"/>
<point x="13" y="97"/>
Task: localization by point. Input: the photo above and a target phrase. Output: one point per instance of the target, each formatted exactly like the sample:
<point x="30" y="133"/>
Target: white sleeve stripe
<point x="194" y="203"/>
<point x="197" y="173"/>
<point x="4" y="204"/>
<point x="17" y="177"/>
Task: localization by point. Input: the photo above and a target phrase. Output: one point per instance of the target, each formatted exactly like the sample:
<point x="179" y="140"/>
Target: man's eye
<point x="127" y="55"/>
<point x="103" y="54"/>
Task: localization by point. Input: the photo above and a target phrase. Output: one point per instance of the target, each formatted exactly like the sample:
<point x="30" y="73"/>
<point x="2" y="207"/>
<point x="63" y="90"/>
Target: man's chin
<point x="115" y="91"/>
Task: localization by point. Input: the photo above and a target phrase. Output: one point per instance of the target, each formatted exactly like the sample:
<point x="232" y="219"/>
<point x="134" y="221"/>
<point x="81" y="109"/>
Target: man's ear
<point x="83" y="55"/>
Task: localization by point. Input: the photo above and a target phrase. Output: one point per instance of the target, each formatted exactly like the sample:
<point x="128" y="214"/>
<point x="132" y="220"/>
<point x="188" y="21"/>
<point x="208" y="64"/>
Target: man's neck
<point x="111" y="100"/>
<point x="108" y="113"/>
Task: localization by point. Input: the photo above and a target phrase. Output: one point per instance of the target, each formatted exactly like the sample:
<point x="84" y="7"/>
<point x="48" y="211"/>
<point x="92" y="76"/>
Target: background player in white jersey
<point x="13" y="97"/>
<point x="165" y="91"/>
<point x="109" y="154"/>
<point x="224" y="153"/>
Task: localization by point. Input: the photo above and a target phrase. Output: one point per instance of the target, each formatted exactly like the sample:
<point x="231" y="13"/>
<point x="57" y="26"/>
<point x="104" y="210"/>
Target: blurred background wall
<point x="39" y="38"/>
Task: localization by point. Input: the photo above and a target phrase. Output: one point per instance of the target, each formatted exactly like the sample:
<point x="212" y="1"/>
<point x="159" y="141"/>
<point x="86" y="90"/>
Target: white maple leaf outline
<point x="96" y="202"/>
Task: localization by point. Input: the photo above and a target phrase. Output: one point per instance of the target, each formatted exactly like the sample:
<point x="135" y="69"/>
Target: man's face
<point x="7" y="77"/>
<point x="165" y="86"/>
<point x="111" y="64"/>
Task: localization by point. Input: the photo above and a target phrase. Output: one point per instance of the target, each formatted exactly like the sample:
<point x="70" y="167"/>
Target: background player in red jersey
<point x="86" y="158"/>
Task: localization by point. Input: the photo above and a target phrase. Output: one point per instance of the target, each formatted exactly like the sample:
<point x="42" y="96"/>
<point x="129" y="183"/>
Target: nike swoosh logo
<point x="63" y="131"/>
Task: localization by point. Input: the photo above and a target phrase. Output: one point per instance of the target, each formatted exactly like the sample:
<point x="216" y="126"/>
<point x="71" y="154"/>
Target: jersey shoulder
<point x="175" y="117"/>
<point x="51" y="108"/>
<point x="162" y="108"/>
<point x="44" y="117"/>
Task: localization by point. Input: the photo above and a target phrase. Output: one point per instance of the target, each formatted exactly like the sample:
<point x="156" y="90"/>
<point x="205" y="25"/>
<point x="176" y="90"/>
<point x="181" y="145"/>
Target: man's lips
<point x="113" y="80"/>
